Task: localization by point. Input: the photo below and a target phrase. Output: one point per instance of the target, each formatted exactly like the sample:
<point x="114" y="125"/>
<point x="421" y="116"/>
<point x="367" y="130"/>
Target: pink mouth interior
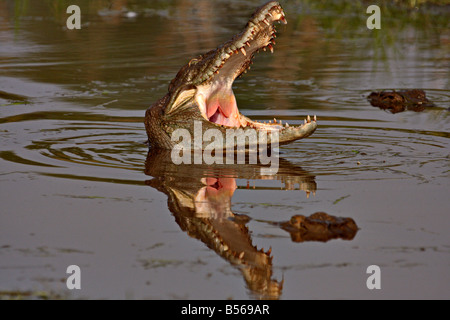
<point x="214" y="198"/>
<point x="221" y="108"/>
<point x="216" y="187"/>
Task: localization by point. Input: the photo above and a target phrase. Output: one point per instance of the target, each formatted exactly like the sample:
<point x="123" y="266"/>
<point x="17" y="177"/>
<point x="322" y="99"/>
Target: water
<point x="78" y="187"/>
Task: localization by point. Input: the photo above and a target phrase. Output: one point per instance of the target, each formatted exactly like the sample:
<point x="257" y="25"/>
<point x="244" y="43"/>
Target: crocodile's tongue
<point x="221" y="108"/>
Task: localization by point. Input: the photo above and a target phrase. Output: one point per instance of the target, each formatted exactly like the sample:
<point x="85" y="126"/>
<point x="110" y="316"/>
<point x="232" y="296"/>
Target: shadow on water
<point x="199" y="197"/>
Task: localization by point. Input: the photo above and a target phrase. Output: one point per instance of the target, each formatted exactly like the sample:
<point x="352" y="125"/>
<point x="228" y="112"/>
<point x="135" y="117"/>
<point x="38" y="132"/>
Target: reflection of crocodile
<point x="399" y="101"/>
<point x="199" y="196"/>
<point x="202" y="90"/>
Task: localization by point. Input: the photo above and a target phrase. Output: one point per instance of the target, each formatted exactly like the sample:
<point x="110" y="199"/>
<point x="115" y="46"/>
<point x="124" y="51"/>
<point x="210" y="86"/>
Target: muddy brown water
<point x="75" y="188"/>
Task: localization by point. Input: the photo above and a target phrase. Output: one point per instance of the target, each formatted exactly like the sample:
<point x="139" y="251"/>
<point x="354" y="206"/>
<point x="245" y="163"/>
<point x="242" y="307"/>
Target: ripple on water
<point x="357" y="151"/>
<point x="59" y="140"/>
<point x="350" y="148"/>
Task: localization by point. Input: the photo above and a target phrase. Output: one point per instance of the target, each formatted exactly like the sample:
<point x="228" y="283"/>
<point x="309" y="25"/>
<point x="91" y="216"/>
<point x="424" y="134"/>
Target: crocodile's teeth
<point x="243" y="51"/>
<point x="266" y="22"/>
<point x="274" y="120"/>
<point x="308" y="119"/>
<point x="270" y="47"/>
<point x="241" y="255"/>
<point x="304" y="121"/>
<point x="315" y="118"/>
<point x="287" y="125"/>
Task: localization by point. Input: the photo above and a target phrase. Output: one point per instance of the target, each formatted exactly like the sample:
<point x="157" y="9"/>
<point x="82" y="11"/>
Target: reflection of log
<point x="320" y="227"/>
<point x="399" y="101"/>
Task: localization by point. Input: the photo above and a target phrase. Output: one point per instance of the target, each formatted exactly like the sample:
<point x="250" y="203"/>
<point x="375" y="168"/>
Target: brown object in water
<point x="320" y="227"/>
<point x="399" y="101"/>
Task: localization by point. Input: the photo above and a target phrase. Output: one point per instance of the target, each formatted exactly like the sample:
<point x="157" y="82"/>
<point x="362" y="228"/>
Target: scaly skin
<point x="202" y="92"/>
<point x="399" y="101"/>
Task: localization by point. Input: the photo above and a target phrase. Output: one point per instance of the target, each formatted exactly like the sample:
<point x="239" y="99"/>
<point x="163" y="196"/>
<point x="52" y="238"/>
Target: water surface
<point x="78" y="185"/>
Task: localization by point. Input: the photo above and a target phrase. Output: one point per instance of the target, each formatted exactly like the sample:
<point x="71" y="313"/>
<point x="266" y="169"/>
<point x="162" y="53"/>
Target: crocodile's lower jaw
<point x="217" y="104"/>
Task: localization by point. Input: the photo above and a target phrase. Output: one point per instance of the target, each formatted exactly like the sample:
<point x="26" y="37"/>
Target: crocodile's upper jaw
<point x="205" y="83"/>
<point x="215" y="96"/>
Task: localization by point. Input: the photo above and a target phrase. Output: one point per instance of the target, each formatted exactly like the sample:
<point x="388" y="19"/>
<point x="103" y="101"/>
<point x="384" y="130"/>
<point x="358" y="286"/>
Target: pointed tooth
<point x="315" y="118"/>
<point x="287" y="125"/>
<point x="269" y="251"/>
<point x="274" y="120"/>
<point x="241" y="255"/>
<point x="266" y="22"/>
<point x="269" y="14"/>
<point x="270" y="47"/>
<point x="307" y="194"/>
<point x="308" y="119"/>
<point x="281" y="122"/>
<point x="243" y="51"/>
<point x="248" y="44"/>
<point x="304" y="121"/>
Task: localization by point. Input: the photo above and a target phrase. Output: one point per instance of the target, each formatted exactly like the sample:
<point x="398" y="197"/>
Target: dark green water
<point x="75" y="187"/>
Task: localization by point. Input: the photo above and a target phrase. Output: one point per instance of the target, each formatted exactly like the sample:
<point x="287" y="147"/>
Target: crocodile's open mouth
<point x="214" y="95"/>
<point x="202" y="88"/>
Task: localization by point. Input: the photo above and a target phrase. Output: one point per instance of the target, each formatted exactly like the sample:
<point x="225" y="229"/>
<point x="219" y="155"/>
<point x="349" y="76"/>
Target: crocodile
<point x="320" y="226"/>
<point x="201" y="92"/>
<point x="199" y="197"/>
<point x="399" y="101"/>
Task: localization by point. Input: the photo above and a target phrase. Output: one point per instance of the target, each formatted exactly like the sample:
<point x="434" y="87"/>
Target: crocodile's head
<point x="202" y="89"/>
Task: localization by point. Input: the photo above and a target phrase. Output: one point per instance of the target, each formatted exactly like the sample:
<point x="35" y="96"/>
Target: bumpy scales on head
<point x="202" y="89"/>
